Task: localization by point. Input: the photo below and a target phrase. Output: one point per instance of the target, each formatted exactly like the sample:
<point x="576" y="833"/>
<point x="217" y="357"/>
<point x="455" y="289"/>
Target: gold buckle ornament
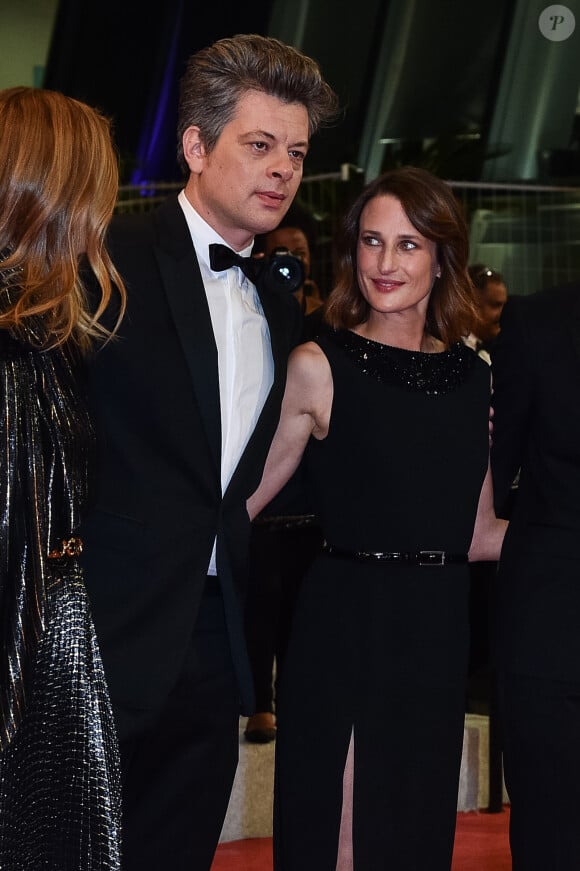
<point x="69" y="547"/>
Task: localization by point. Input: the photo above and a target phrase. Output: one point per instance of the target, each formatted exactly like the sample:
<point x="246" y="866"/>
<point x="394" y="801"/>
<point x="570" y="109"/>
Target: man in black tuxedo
<point x="536" y="365"/>
<point x="186" y="401"/>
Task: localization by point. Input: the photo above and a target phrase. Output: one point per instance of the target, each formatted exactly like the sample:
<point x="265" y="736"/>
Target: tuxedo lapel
<point x="276" y="314"/>
<point x="188" y="303"/>
<point x="186" y="296"/>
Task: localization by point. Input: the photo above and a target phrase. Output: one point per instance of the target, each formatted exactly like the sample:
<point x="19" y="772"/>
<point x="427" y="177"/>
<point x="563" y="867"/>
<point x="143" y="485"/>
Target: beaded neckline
<point x="417" y="371"/>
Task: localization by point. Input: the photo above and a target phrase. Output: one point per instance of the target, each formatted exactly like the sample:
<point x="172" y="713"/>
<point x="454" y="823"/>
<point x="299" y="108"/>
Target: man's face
<point x="246" y="183"/>
<point x="490" y="308"/>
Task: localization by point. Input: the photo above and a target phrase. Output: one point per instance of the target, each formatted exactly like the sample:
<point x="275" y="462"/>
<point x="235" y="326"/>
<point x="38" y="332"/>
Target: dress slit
<point x="344" y="860"/>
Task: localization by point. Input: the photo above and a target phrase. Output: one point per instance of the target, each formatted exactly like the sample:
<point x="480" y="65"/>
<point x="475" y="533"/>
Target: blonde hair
<point x="59" y="180"/>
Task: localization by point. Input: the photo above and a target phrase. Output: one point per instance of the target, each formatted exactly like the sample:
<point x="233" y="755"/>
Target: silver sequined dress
<point x="59" y="760"/>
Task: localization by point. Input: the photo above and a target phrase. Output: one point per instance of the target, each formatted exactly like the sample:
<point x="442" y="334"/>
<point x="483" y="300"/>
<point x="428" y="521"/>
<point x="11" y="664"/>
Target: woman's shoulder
<point x="308" y="367"/>
<point x="307" y="356"/>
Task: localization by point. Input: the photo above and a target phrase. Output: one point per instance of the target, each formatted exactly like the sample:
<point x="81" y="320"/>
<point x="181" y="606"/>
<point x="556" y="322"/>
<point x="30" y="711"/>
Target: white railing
<point x="528" y="232"/>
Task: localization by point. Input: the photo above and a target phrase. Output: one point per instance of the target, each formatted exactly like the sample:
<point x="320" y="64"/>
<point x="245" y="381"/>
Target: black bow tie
<point x="221" y="257"/>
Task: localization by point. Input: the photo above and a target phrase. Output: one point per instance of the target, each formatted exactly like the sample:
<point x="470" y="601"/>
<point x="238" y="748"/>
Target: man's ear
<point x="193" y="149"/>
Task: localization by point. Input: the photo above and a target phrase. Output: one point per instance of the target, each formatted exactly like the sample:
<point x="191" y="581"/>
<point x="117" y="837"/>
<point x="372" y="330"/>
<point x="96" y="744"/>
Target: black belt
<point x="416" y="558"/>
<point x="289" y="521"/>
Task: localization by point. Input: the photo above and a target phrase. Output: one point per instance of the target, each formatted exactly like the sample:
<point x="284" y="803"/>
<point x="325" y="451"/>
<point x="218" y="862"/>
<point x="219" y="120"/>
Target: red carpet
<point x="481" y="844"/>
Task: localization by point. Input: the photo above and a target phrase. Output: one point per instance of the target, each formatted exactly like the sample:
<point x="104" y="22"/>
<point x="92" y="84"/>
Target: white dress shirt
<point x="473" y="342"/>
<point x="245" y="364"/>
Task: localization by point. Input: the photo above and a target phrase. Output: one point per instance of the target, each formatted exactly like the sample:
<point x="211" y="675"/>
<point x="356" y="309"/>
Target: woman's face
<point x="396" y="265"/>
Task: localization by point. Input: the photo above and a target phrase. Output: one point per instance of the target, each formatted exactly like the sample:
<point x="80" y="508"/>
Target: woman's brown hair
<point x="432" y="208"/>
<point x="59" y="180"/>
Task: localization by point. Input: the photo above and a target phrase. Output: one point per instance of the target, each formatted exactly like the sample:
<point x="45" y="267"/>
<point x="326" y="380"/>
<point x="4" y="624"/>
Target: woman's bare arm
<point x="489" y="530"/>
<point x="305" y="412"/>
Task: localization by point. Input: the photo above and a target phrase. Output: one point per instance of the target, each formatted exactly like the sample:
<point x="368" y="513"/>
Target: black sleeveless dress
<point x="380" y="649"/>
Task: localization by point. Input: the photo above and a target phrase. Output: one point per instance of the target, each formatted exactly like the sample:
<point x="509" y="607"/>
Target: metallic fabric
<point x="59" y="759"/>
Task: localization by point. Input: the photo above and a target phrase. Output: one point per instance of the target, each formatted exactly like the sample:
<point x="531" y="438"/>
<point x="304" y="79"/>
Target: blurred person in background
<point x="491" y="296"/>
<point x="286" y="536"/>
<point x="536" y="637"/>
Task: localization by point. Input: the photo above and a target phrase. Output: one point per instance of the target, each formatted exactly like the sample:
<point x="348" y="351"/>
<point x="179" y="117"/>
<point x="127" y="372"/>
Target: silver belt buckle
<point x="431" y="557"/>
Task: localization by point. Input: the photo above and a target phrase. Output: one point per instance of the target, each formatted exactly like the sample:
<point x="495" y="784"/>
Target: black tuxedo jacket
<point x="536" y="377"/>
<point x="155" y="397"/>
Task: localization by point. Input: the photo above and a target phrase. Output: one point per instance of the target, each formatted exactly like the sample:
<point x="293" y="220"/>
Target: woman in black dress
<point x="392" y="411"/>
<point x="59" y="760"/>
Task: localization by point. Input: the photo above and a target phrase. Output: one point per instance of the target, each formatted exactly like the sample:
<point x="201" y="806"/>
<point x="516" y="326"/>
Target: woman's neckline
<point x="438" y="351"/>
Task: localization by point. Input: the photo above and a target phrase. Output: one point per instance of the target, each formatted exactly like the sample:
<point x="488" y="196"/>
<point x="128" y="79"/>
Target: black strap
<point x="414" y="558"/>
